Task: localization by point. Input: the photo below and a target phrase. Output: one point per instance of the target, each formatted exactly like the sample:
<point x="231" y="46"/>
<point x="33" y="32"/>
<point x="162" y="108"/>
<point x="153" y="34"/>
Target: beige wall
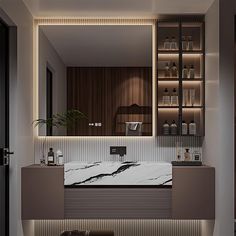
<point x="218" y="149"/>
<point x="21" y="108"/>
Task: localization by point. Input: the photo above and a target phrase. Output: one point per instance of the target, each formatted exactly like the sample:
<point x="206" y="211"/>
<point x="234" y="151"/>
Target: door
<point x="4" y="132"/>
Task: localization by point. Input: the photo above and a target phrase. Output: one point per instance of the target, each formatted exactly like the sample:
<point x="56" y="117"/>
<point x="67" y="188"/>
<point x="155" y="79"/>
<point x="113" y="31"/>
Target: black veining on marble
<point x="99" y="176"/>
<point x="85" y="167"/>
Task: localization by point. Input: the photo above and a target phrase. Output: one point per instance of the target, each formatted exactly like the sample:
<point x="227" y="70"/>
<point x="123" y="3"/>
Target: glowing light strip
<point x="93" y="21"/>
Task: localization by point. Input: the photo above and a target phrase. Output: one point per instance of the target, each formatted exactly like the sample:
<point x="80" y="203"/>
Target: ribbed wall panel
<point x="97" y="149"/>
<point x="122" y="227"/>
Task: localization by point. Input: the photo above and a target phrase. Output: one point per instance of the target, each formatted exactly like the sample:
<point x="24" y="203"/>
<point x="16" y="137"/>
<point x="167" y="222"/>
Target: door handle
<point x="5" y="156"/>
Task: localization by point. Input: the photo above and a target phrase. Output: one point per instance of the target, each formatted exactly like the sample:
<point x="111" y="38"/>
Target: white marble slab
<point x="118" y="173"/>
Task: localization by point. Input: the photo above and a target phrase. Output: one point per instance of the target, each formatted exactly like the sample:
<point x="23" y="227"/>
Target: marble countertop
<point x="118" y="173"/>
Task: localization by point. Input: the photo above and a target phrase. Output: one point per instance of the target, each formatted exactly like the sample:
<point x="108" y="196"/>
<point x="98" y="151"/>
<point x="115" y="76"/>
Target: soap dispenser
<point x="166" y="128"/>
<point x="173" y="128"/>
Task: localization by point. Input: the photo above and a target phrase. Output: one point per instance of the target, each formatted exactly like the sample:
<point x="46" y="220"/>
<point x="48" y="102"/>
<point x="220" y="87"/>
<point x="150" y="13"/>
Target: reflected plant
<point x="65" y="119"/>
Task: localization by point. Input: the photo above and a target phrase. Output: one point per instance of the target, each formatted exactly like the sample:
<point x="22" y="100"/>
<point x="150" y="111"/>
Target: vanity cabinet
<point x="193" y="192"/>
<point x="42" y="192"/>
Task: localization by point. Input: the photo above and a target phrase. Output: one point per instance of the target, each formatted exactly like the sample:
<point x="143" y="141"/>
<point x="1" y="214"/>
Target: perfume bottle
<point x="166" y="97"/>
<point x="174" y="101"/>
<point x="185" y="72"/>
<point x="187" y="156"/>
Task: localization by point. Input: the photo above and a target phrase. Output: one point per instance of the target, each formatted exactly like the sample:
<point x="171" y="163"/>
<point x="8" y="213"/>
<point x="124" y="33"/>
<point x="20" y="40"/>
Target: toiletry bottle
<point x="192" y="97"/>
<point x="60" y="159"/>
<point x="190" y="43"/>
<point x="167" y="44"/>
<point x="166" y="128"/>
<point x="173" y="44"/>
<point x="167" y="70"/>
<point x="174" y="70"/>
<point x="185" y="97"/>
<point x="184" y="128"/>
<point x="173" y="128"/>
<point x="187" y="156"/>
<point x="174" y="98"/>
<point x="191" y="72"/>
<point x="192" y="128"/>
<point x="50" y="157"/>
<point x="184" y="43"/>
<point x="185" y="72"/>
<point x="166" y="97"/>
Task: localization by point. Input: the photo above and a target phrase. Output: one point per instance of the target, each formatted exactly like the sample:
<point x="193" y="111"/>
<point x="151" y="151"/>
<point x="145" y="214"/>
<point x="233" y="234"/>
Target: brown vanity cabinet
<point x="42" y="190"/>
<point x="193" y="192"/>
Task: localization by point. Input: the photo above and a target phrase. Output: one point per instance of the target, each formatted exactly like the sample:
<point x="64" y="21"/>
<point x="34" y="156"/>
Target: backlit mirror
<point x="103" y="71"/>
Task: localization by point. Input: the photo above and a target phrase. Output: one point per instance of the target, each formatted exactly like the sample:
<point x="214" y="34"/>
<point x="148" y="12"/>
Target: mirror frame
<point x="92" y="21"/>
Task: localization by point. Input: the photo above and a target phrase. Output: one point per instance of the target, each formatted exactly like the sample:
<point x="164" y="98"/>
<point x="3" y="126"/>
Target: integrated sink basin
<point x="127" y="173"/>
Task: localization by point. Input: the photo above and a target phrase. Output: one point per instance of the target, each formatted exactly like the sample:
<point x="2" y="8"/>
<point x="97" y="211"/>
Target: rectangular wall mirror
<point x="103" y="71"/>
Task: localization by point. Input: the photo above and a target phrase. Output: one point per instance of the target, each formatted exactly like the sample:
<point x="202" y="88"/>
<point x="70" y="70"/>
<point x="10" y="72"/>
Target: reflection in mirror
<point x="103" y="71"/>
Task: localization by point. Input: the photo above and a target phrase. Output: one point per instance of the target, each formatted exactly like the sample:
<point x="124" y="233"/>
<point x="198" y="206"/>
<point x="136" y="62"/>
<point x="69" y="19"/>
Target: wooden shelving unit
<point x="181" y="30"/>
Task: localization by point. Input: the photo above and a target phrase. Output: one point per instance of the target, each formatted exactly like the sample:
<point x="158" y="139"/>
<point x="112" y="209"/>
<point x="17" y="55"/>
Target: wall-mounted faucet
<point x="118" y="150"/>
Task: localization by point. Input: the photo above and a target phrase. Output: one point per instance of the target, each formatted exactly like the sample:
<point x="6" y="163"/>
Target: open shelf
<point x="189" y="54"/>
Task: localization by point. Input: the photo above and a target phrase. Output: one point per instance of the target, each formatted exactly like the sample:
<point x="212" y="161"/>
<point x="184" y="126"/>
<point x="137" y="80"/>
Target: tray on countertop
<point x="186" y="163"/>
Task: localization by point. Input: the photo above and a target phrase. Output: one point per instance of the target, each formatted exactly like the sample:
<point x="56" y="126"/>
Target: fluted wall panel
<point x="97" y="149"/>
<point x="122" y="227"/>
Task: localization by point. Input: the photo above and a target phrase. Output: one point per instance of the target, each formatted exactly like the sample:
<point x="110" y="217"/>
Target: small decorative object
<point x="58" y="120"/>
<point x="196" y="156"/>
<point x="187" y="156"/>
<point x="185" y="97"/>
<point x="60" y="159"/>
<point x="179" y="150"/>
<point x="167" y="70"/>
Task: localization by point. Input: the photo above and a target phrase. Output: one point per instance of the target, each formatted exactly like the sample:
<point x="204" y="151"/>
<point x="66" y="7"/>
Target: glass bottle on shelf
<point x="173" y="44"/>
<point x="173" y="128"/>
<point x="167" y="70"/>
<point x="51" y="160"/>
<point x="192" y="128"/>
<point x="185" y="97"/>
<point x="174" y="98"/>
<point x="192" y="97"/>
<point x="166" y="128"/>
<point x="166" y="98"/>
<point x="185" y="72"/>
<point x="184" y="128"/>
<point x="184" y="43"/>
<point x="190" y="43"/>
<point x="174" y="70"/>
<point x="167" y="43"/>
<point x="191" y="72"/>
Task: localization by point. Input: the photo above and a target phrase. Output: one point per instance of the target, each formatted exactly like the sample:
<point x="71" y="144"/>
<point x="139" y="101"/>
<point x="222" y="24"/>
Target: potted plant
<point x="65" y="119"/>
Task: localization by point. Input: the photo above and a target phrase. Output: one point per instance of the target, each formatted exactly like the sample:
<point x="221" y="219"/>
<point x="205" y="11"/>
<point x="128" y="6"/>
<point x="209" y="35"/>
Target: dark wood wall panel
<point x="106" y="96"/>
